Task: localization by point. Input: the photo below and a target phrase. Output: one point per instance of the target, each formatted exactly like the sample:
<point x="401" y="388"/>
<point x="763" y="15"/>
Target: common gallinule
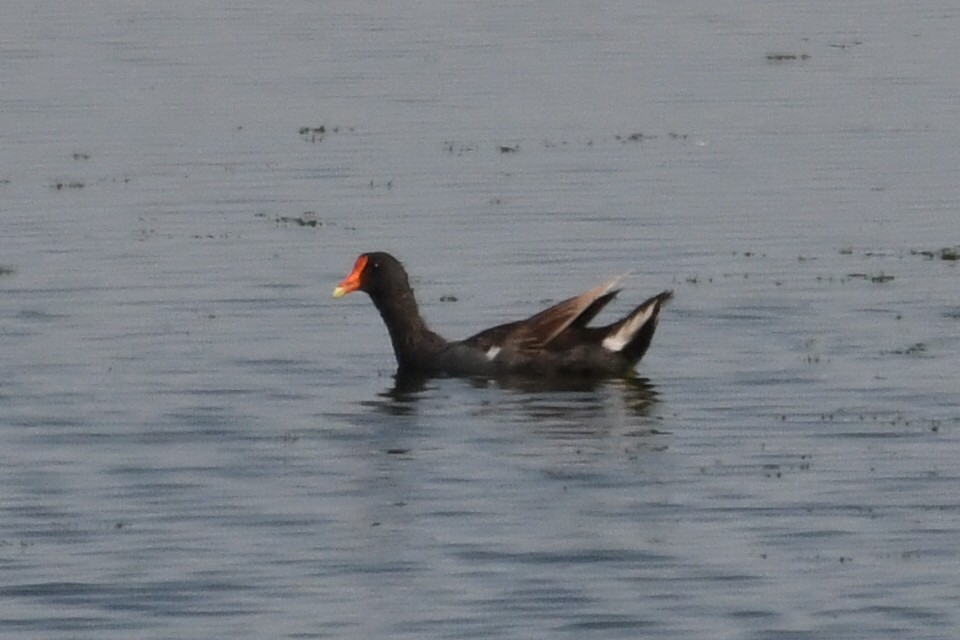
<point x="554" y="342"/>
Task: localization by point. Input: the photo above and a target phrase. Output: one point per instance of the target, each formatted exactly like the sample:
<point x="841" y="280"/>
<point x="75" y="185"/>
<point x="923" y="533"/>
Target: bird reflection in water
<point x="572" y="405"/>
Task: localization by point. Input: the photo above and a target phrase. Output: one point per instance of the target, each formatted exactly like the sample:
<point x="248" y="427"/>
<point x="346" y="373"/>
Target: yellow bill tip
<point x="339" y="292"/>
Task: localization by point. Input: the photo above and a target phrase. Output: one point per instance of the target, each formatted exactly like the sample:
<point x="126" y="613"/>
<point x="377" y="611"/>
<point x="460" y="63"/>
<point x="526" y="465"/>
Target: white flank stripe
<point x="620" y="338"/>
<point x="492" y="352"/>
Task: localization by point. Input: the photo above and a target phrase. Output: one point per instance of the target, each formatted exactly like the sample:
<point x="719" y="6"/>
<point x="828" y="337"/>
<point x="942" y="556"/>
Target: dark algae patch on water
<point x="787" y="57"/>
<point x="318" y="133"/>
<point x="951" y="254"/>
<point x="308" y="219"/>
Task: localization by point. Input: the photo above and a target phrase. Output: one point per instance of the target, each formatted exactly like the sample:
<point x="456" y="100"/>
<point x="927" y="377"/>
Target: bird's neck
<point x="412" y="339"/>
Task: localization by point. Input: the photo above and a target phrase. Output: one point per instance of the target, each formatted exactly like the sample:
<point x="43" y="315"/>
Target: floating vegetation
<point x="317" y="134"/>
<point x="212" y="236"/>
<point x="313" y="133"/>
<point x="904" y="425"/>
<point x="787" y="57"/>
<point x="871" y="253"/>
<point x="59" y="186"/>
<point x="951" y="254"/>
<point x="912" y="350"/>
<point x="81" y="156"/>
<point x="634" y="137"/>
<point x="776" y="470"/>
<point x="846" y="45"/>
<point x="458" y="148"/>
<point x="448" y="298"/>
<point x="6" y="271"/>
<point x="879" y="278"/>
<point x="308" y="219"/>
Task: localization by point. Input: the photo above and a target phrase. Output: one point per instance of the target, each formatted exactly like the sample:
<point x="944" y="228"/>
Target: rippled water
<point x="197" y="441"/>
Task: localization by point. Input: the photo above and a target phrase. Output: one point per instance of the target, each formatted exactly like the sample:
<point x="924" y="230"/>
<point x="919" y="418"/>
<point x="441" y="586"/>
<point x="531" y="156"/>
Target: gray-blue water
<point x="197" y="441"/>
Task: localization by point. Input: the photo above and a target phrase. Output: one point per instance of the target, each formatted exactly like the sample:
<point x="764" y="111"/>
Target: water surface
<point x="197" y="441"/>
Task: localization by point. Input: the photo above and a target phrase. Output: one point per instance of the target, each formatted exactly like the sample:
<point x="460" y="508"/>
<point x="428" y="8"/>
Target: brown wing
<point x="536" y="332"/>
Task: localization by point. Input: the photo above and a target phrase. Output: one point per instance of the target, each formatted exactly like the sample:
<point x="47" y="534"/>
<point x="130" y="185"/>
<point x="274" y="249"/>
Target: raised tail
<point x="632" y="335"/>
